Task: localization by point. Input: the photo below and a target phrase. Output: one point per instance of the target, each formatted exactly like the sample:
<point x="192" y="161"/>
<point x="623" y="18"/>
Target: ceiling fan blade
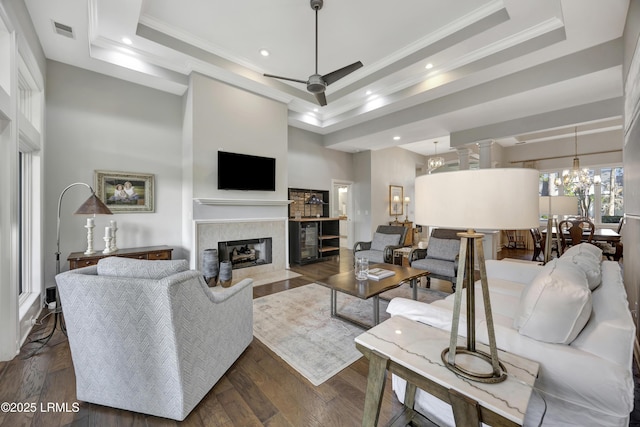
<point x="338" y="74"/>
<point x="322" y="99"/>
<point x="286" y="78"/>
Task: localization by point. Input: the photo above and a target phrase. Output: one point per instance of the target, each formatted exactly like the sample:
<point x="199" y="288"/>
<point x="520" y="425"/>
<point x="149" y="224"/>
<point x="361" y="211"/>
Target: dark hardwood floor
<point x="258" y="390"/>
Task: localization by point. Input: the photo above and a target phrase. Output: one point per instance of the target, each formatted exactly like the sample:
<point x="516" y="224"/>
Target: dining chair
<point x="538" y="243"/>
<point x="573" y="232"/>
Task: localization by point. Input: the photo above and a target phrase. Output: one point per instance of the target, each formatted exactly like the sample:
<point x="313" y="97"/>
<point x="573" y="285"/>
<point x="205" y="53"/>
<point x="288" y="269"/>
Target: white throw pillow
<point x="587" y="263"/>
<point x="556" y="305"/>
<point x="584" y="248"/>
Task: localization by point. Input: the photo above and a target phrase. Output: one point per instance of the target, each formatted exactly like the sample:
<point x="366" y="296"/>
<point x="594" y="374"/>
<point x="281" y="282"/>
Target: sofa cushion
<point x="556" y="305"/>
<point x="587" y="263"/>
<point x="584" y="248"/>
<point x="140" y="268"/>
<point x="382" y="240"/>
<point x="446" y="249"/>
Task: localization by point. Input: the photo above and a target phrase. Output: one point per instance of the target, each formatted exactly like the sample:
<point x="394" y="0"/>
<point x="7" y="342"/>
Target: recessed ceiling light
<point x="315" y="109"/>
<point x="264" y="52"/>
<point x="127" y="40"/>
<point x="368" y="93"/>
<point x="429" y="66"/>
<point x="396" y="138"/>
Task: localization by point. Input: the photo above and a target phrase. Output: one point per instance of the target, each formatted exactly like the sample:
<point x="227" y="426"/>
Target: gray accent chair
<point x="380" y="249"/>
<point x="440" y="257"/>
<point x="151" y="336"/>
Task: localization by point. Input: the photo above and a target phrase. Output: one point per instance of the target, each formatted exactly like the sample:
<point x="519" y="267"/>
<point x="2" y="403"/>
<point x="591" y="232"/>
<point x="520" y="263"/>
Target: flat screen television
<point x="245" y="172"/>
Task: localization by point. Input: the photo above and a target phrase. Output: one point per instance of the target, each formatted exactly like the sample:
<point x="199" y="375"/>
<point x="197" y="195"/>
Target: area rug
<point x="296" y="324"/>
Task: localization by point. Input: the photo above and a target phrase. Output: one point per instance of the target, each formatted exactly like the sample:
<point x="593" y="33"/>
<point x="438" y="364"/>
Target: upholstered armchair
<point x="380" y="249"/>
<point x="151" y="336"/>
<point x="440" y="257"/>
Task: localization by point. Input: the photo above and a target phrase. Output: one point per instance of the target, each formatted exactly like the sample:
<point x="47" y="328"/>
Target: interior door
<point x="341" y="206"/>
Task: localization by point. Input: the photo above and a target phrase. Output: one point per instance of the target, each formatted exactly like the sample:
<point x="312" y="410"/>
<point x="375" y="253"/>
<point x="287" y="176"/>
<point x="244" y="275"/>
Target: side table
<point x="401" y="256"/>
<point x="412" y="351"/>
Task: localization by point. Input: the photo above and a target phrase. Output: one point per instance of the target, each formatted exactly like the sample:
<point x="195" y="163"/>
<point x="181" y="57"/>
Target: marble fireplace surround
<point x="209" y="232"/>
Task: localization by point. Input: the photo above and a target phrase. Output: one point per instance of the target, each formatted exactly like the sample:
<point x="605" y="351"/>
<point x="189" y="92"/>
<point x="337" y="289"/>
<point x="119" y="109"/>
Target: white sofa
<point x="571" y="316"/>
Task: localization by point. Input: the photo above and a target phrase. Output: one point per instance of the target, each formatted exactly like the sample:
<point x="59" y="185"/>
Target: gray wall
<point x="95" y="122"/>
<point x="631" y="231"/>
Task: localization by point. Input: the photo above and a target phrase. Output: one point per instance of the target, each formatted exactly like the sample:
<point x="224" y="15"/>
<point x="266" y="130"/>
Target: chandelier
<point x="579" y="181"/>
<point x="436" y="161"/>
<point x="576" y="178"/>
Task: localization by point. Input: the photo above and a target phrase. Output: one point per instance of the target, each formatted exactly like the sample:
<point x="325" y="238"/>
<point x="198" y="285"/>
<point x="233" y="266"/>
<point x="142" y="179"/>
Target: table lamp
<point x="553" y="206"/>
<point x="497" y="199"/>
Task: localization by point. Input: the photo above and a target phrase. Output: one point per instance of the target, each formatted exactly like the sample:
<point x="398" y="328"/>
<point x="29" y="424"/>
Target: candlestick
<point x="90" y="225"/>
<point x="107" y="244"/>
<point x="114" y="228"/>
<point x="107" y="231"/>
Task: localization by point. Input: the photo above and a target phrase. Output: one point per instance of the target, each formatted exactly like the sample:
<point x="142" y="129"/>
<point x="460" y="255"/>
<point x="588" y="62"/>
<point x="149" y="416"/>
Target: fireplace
<point x="209" y="233"/>
<point x="246" y="253"/>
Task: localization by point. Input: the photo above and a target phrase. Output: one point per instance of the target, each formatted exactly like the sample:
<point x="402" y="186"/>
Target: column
<point x="463" y="158"/>
<point x="485" y="154"/>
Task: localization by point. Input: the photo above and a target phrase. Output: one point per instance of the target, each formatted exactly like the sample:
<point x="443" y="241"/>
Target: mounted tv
<point x="245" y="172"/>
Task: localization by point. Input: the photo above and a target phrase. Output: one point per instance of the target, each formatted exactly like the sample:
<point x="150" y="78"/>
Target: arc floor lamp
<point x="92" y="206"/>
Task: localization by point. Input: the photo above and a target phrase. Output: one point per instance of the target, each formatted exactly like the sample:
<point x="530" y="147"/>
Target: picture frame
<point x="125" y="192"/>
<point x="396" y="205"/>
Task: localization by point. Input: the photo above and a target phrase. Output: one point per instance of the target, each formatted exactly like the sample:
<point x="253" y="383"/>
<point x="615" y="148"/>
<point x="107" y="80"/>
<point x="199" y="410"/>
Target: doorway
<point x="341" y="207"/>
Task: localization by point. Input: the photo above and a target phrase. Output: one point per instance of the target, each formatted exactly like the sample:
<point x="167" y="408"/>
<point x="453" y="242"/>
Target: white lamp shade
<point x="498" y="199"/>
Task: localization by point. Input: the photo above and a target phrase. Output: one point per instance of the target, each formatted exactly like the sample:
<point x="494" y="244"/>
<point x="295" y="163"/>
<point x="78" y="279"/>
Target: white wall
<point x="313" y="166"/>
<point x="392" y="166"/>
<point x="96" y="122"/>
<point x="234" y="120"/>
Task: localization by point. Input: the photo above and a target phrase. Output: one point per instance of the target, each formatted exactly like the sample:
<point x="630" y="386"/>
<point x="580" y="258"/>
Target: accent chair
<point x="151" y="336"/>
<point x="380" y="248"/>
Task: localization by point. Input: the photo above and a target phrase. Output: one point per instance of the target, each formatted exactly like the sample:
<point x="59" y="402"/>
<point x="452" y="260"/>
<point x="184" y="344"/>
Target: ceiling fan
<point x="316" y="84"/>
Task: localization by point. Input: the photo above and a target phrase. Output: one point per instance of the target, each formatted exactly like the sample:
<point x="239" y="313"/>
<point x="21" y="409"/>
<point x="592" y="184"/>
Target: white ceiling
<point x="502" y="69"/>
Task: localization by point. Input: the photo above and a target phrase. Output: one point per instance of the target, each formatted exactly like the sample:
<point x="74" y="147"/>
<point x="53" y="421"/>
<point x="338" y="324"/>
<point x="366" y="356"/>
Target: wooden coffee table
<point x="365" y="289"/>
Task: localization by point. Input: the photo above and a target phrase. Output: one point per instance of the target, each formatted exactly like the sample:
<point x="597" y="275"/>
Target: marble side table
<point x="412" y="351"/>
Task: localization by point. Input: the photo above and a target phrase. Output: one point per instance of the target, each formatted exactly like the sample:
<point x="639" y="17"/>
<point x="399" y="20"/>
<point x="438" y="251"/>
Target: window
<point x="599" y="191"/>
<point x="611" y="196"/>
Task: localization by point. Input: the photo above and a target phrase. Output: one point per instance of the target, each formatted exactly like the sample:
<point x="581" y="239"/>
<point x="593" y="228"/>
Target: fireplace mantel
<point x="242" y="202"/>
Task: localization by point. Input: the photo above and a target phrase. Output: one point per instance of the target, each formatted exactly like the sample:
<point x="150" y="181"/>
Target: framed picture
<point x="125" y="192"/>
<point x="396" y="200"/>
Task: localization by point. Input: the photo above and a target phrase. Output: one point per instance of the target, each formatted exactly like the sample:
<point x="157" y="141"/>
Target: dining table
<point x="599" y="235"/>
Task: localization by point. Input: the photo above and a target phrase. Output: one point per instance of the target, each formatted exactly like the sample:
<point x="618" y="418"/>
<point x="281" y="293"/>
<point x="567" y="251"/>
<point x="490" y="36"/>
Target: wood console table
<point x="79" y="259"/>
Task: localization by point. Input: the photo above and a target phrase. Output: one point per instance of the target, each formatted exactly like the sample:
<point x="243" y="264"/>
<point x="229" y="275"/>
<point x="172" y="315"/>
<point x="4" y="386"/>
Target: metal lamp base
<point x="489" y="378"/>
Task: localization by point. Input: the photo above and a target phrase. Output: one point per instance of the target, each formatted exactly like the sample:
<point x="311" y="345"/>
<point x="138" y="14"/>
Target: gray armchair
<point x="151" y="336"/>
<point x="380" y="249"/>
<point x="440" y="257"/>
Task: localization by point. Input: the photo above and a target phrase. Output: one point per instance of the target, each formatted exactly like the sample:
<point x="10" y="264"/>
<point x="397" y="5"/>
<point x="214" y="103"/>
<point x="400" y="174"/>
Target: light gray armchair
<point x="380" y="249"/>
<point x="151" y="336"/>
